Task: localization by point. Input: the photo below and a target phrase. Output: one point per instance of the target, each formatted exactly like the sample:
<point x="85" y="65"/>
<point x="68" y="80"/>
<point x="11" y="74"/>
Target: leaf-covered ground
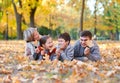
<point x="16" y="68"/>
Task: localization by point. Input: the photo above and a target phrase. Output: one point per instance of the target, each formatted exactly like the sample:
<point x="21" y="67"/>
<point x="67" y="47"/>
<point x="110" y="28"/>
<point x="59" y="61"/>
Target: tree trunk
<point x="117" y="33"/>
<point x="32" y="15"/>
<point x="112" y="35"/>
<point x="18" y="20"/>
<point x="50" y="24"/>
<point x="6" y="30"/>
<point x="81" y="18"/>
<point x="95" y="19"/>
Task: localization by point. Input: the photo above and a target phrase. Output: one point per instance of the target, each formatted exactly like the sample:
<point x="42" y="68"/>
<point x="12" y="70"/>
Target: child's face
<point x="49" y="43"/>
<point x="62" y="43"/>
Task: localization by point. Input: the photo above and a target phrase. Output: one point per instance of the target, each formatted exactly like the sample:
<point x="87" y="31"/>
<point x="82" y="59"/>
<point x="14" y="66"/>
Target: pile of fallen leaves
<point x="17" y="68"/>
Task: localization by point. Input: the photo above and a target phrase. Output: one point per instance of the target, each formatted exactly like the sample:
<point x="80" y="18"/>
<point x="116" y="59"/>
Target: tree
<point x="82" y="15"/>
<point x="111" y="18"/>
<point x="32" y="15"/>
<point x="79" y="6"/>
<point x="31" y="6"/>
<point x="18" y="19"/>
<point x="95" y="18"/>
<point x="4" y="9"/>
<point x="25" y="18"/>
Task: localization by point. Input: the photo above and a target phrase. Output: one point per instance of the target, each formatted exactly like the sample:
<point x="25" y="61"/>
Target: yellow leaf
<point x="16" y="80"/>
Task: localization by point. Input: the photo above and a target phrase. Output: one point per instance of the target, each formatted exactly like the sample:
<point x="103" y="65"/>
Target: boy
<point x="64" y="51"/>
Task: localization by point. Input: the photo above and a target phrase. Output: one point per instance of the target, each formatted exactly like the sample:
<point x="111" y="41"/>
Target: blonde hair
<point x="29" y="34"/>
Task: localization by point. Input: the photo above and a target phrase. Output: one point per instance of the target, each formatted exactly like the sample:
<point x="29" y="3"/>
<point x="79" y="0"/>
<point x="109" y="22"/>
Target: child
<point x="64" y="50"/>
<point x="46" y="48"/>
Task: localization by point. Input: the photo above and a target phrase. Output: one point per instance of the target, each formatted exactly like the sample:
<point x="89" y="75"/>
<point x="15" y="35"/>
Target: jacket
<point x="79" y="52"/>
<point x="67" y="54"/>
<point x="38" y="56"/>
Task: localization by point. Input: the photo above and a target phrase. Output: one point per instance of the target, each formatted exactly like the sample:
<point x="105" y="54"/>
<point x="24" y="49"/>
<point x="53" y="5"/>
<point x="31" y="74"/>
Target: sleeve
<point x="82" y="58"/>
<point x="95" y="53"/>
<point x="36" y="56"/>
<point x="29" y="50"/>
<point x="77" y="53"/>
<point x="76" y="49"/>
<point x="68" y="55"/>
<point x="54" y="57"/>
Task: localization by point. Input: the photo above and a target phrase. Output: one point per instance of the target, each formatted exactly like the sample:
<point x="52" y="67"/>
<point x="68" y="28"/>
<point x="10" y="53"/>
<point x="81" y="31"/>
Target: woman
<point x="31" y="36"/>
<point x="46" y="48"/>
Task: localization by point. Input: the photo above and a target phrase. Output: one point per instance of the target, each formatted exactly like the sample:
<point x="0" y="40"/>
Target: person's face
<point x="49" y="43"/>
<point x="84" y="40"/>
<point x="62" y="43"/>
<point x="36" y="35"/>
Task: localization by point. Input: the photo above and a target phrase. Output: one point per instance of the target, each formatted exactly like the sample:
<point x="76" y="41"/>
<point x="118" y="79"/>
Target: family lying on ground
<point x="38" y="46"/>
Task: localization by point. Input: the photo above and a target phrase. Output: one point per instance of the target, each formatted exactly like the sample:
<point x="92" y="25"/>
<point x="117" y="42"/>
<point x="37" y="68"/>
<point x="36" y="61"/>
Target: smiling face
<point x="49" y="43"/>
<point x="36" y="35"/>
<point x="84" y="40"/>
<point x="62" y="43"/>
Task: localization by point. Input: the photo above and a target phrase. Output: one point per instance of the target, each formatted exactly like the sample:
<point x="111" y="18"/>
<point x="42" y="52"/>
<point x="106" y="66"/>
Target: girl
<point x="46" y="48"/>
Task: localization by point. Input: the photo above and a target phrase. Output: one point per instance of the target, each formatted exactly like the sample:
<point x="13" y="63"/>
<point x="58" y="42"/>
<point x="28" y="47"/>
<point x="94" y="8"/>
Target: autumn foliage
<point x="16" y="68"/>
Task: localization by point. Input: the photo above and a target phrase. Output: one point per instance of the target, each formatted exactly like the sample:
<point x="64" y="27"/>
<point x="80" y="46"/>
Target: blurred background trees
<point x="56" y="16"/>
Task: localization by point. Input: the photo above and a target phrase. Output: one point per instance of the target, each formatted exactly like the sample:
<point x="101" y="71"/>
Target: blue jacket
<point x="79" y="52"/>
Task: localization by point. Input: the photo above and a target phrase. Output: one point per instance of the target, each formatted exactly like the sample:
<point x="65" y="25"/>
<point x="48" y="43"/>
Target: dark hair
<point x="65" y="36"/>
<point x="43" y="39"/>
<point x="86" y="33"/>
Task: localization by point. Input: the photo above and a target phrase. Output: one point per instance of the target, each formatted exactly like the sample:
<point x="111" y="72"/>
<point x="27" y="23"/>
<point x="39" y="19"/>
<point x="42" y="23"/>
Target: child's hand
<point x="42" y="52"/>
<point x="37" y="50"/>
<point x="58" y="52"/>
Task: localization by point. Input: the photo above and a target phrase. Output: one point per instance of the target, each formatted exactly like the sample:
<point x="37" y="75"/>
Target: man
<point x="86" y="48"/>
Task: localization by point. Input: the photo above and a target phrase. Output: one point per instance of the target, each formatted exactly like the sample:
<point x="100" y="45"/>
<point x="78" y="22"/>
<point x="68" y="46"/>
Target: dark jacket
<point x="38" y="56"/>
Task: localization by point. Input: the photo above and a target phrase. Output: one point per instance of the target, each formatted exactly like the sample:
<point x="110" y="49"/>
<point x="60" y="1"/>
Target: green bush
<point x="1" y="36"/>
<point x="46" y="31"/>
